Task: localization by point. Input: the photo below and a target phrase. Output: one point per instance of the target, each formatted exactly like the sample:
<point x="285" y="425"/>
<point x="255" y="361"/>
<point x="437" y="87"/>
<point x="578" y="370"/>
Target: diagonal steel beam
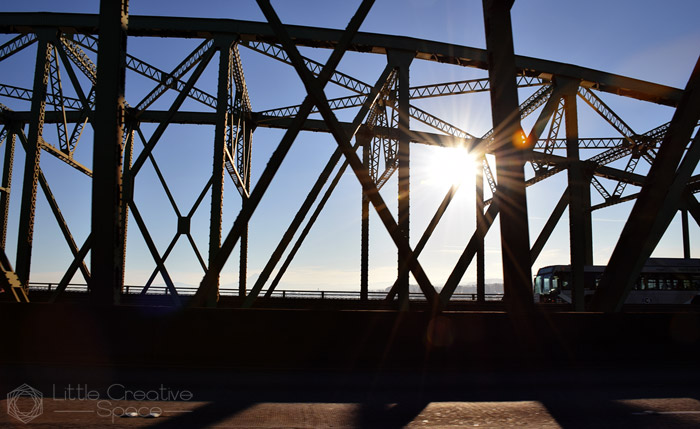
<point x="250" y="204"/>
<point x="613" y="202"/>
<point x="307" y="229"/>
<point x="549" y="226"/>
<point x="87" y="101"/>
<point x="53" y="150"/>
<point x="658" y="200"/>
<point x="239" y="78"/>
<point x="434" y="221"/>
<point x="160" y="265"/>
<point x="180" y="70"/>
<point x="277" y="52"/>
<point x="466" y="258"/>
<point x="316" y="92"/>
<point x="159" y="174"/>
<point x="176" y="237"/>
<point x="608" y="114"/>
<point x="158" y="133"/>
<point x="693" y="206"/>
<point x="154" y="252"/>
<point x="362" y="88"/>
<point x="57" y="92"/>
<point x="528" y="106"/>
<point x="240" y="141"/>
<point x="78" y="260"/>
<point x="311" y="197"/>
<point x="62" y="224"/>
<point x="149" y="71"/>
<point x="26" y="94"/>
<point x="600" y="188"/>
<point x="17" y="44"/>
<point x="9" y="159"/>
<point x="438" y="124"/>
<point x="80" y="58"/>
<point x="550" y="108"/>
<point x="31" y="165"/>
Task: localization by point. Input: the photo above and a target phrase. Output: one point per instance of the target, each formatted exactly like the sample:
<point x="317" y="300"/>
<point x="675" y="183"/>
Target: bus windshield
<point x="553" y="283"/>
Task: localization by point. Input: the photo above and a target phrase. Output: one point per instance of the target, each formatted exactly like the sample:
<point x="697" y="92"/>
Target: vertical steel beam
<point x="508" y="149"/>
<point x="218" y="168"/>
<point x="31" y="165"/>
<point x="365" y="140"/>
<point x="402" y="61"/>
<point x="107" y="255"/>
<point x="127" y="187"/>
<point x="243" y="259"/>
<point x="6" y="184"/>
<point x="657" y="202"/>
<point x="686" y="234"/>
<point x="578" y="186"/>
<point x="480" y="254"/>
<point x="588" y="213"/>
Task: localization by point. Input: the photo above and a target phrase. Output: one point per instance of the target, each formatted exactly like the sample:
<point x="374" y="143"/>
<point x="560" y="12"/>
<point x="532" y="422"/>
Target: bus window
<point x="665" y="284"/>
<point x="651" y="283"/>
<point x="661" y="283"/>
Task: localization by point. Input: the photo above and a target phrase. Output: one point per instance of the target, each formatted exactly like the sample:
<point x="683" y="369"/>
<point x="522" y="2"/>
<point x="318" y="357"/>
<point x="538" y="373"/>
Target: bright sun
<point x="451" y="166"/>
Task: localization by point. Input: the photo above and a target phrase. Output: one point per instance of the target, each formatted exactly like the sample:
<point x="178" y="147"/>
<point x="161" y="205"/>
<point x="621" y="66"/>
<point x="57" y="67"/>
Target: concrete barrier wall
<point x="343" y="340"/>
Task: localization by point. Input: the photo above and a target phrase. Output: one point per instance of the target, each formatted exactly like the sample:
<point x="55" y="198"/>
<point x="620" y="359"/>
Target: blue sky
<point x="650" y="40"/>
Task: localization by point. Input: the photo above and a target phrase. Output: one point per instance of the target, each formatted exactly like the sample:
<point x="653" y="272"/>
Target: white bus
<point x="662" y="281"/>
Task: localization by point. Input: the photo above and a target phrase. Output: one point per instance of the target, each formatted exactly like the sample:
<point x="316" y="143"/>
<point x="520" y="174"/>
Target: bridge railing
<point x="290" y="294"/>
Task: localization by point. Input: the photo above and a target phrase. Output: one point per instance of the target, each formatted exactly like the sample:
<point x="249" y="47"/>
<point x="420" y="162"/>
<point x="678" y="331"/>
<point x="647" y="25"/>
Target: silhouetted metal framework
<point x="72" y="49"/>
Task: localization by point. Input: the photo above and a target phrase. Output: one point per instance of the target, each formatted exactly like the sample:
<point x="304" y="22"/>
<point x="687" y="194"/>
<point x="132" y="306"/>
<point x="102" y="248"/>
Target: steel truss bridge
<point x="81" y="71"/>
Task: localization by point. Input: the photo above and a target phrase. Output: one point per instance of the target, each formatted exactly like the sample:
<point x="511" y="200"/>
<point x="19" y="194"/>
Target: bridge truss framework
<point x="72" y="49"/>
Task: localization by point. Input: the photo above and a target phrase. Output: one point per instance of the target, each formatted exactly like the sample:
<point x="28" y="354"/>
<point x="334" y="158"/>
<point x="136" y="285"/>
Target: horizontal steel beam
<point x="328" y="38"/>
<point x="208" y="118"/>
<point x="317" y="125"/>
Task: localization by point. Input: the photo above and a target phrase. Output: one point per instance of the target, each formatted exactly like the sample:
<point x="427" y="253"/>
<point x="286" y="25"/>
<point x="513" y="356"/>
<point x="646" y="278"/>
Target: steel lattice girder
<point x="327" y="38"/>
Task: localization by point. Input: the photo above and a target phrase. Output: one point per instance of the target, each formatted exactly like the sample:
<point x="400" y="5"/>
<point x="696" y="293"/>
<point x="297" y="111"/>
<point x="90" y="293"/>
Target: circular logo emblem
<point x="25" y="403"/>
